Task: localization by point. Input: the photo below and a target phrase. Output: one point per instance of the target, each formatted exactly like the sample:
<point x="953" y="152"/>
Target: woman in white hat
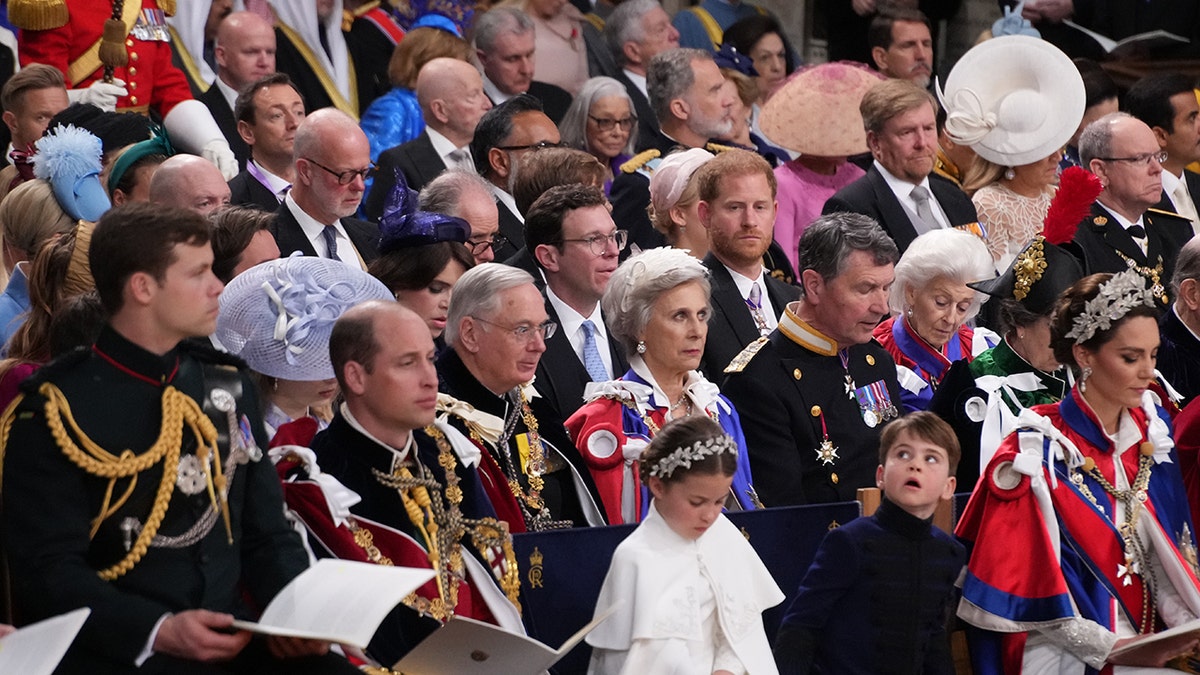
<point x="674" y="197"/>
<point x="1016" y="100"/>
<point x="277" y="316"/>
<point x="1012" y="201"/>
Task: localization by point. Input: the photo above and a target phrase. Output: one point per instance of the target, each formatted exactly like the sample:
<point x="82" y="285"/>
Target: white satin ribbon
<point x="487" y="426"/>
<point x="998" y="419"/>
<point x="338" y="497"/>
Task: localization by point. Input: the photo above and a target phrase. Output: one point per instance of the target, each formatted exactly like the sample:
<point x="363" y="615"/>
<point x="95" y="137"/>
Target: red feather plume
<point x="1077" y="189"/>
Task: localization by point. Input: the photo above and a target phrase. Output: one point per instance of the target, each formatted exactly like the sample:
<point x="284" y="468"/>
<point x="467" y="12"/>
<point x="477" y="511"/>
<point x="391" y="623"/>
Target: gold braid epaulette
<point x="178" y="409"/>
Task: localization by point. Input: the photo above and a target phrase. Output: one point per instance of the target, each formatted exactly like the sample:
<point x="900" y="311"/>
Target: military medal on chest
<point x="827" y="452"/>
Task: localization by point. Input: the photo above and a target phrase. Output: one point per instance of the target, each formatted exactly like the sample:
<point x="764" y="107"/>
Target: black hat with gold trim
<point x="1043" y="269"/>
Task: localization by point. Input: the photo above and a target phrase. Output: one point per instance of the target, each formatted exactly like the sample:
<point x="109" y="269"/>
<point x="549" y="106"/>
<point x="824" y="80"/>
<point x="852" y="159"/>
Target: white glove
<point x="192" y="129"/>
<point x="219" y="153"/>
<point x="101" y="94"/>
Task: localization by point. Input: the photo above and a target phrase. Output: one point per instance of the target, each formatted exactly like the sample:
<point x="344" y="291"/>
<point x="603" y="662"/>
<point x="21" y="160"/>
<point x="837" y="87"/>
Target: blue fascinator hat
<point x="403" y="226"/>
<point x="729" y="57"/>
<point x="69" y="159"/>
<point x="277" y="316"/>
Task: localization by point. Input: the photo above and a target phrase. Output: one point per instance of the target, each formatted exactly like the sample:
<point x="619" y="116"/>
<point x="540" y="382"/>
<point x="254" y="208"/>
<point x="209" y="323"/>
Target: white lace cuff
<point x="1087" y="640"/>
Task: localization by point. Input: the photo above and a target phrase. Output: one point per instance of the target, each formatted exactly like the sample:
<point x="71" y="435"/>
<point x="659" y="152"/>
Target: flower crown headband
<point x="686" y="456"/>
<point x="1120" y="294"/>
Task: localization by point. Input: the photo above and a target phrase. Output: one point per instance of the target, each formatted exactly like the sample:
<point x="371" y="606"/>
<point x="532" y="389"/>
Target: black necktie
<point x="1137" y="232"/>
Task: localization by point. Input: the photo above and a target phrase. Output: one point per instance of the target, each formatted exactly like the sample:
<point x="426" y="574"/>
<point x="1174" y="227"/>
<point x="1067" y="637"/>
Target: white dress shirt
<point x="903" y="191"/>
<point x="347" y="253"/>
<point x="570" y="323"/>
<point x="228" y="92"/>
<point x="444" y="148"/>
<point x="1125" y="223"/>
<point x="743" y="283"/>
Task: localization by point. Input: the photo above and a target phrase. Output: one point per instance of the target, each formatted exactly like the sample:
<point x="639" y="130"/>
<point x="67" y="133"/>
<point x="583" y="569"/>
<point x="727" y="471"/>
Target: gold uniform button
<point x="133" y="85"/>
<point x="129" y="43"/>
<point x="796" y="373"/>
<point x="133" y="56"/>
<point x="133" y="100"/>
<point x="816" y="411"/>
<point x="833" y="477"/>
<point x="132" y="70"/>
<point x="870" y="360"/>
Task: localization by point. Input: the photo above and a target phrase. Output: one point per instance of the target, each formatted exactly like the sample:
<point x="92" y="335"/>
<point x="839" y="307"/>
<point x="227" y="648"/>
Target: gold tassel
<point x="112" y="46"/>
<point x="38" y="14"/>
<point x="167" y="6"/>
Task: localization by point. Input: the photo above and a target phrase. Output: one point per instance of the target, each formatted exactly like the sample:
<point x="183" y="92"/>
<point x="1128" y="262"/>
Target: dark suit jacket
<point x="513" y="229"/>
<point x="630" y="195"/>
<point x="1179" y="356"/>
<point x="647" y="120"/>
<point x="215" y="101"/>
<point x="555" y="100"/>
<point x="245" y="190"/>
<point x="561" y="376"/>
<point x="731" y="327"/>
<point x="288" y="60"/>
<point x="1100" y="242"/>
<point x="419" y="162"/>
<point x="524" y="260"/>
<point x="870" y="195"/>
<point x="289" y="236"/>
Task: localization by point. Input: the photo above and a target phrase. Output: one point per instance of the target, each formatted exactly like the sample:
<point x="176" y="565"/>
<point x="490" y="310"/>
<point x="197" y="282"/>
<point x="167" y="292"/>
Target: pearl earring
<point x="1009" y="174"/>
<point x="1087" y="372"/>
<point x="641" y="347"/>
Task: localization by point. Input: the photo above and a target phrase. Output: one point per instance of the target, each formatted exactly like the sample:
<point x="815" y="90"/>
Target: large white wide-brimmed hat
<point x="1014" y="99"/>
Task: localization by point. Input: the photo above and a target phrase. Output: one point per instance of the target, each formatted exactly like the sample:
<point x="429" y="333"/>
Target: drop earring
<point x="1009" y="174"/>
<point x="1087" y="372"/>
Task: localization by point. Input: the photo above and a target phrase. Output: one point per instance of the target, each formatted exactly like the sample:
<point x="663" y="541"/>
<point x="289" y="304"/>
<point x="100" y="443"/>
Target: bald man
<point x="245" y="52"/>
<point x="451" y="96"/>
<point x="331" y="158"/>
<point x="189" y="182"/>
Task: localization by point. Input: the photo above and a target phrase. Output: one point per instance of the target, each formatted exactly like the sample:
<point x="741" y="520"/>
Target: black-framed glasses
<point x="1142" y="159"/>
<point x="540" y="145"/>
<point x="346" y="177"/>
<point x="495" y="243"/>
<point x="598" y="243"/>
<point x="607" y="123"/>
<point x="524" y="332"/>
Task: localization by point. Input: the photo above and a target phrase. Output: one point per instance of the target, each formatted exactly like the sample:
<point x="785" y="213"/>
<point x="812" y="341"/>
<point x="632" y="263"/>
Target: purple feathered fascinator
<point x="403" y="226"/>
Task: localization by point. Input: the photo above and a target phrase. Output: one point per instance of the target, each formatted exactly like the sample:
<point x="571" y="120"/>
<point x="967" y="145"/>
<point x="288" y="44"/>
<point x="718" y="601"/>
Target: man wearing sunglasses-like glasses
<point x="333" y="159"/>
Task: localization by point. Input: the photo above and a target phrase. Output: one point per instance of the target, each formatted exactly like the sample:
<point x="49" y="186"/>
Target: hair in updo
<point x="682" y="433"/>
<point x="1070" y="305"/>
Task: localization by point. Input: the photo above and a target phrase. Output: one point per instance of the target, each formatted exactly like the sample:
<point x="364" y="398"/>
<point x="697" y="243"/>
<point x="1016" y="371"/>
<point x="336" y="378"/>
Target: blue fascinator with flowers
<point x="404" y="226"/>
<point x="69" y="159"/>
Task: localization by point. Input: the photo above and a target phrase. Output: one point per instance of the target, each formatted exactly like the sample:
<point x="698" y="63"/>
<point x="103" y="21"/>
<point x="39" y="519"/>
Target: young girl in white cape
<point x="689" y="588"/>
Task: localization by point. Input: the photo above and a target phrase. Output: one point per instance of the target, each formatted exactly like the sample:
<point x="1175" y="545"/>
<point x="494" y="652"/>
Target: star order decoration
<point x="827" y="452"/>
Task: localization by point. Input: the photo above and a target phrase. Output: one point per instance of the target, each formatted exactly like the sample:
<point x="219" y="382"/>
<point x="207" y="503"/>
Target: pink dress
<point x="802" y="195"/>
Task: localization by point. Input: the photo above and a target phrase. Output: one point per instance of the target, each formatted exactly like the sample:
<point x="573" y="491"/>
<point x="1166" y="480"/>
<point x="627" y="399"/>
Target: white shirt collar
<point x="903" y="191"/>
<point x="276" y="184"/>
<point x="1122" y="220"/>
<point x="228" y="92"/>
<point x="744" y="283"/>
<point x="507" y="200"/>
<point x="569" y="321"/>
<point x="441" y="145"/>
<point x="638" y="81"/>
<point x="493" y="92"/>
<point x="312" y="229"/>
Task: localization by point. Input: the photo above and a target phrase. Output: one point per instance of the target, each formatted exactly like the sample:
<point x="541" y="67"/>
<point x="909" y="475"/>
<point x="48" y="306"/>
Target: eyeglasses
<point x="599" y="242"/>
<point x="346" y="177"/>
<point x="525" y="332"/>
<point x="540" y="145"/>
<point x="495" y="243"/>
<point x="1139" y="160"/>
<point x="607" y="123"/>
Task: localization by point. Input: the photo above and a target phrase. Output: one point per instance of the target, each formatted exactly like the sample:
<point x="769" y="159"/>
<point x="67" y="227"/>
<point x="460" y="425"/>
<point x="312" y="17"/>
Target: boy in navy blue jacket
<point x="877" y="596"/>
